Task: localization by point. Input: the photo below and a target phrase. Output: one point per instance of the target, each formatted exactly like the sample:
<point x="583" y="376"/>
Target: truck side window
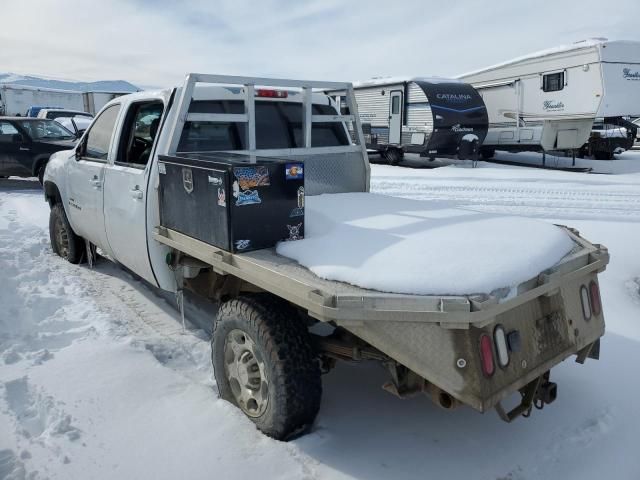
<point x="99" y="136"/>
<point x="7" y="132"/>
<point x="139" y="133"/>
<point x="553" y="82"/>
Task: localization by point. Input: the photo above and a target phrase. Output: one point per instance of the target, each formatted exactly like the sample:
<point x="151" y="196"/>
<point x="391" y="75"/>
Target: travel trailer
<point x="548" y="101"/>
<point x="429" y="116"/>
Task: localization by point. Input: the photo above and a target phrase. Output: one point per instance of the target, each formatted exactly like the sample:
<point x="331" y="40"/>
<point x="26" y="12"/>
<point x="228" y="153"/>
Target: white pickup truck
<point x="473" y="350"/>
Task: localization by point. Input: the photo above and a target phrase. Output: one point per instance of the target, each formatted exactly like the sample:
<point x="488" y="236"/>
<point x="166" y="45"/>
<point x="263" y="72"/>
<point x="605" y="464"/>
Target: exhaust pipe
<point x="441" y="398"/>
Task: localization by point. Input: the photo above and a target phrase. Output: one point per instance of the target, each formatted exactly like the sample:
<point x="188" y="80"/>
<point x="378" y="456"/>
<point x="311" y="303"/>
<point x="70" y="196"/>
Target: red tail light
<point x="596" y="304"/>
<point x="263" y="92"/>
<point x="486" y="355"/>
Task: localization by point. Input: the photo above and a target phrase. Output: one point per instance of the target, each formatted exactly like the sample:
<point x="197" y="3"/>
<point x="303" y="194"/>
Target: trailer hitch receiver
<point x="537" y="393"/>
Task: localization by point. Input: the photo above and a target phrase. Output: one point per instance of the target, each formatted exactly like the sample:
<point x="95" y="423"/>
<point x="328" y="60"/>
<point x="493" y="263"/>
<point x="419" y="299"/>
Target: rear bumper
<point x="549" y="322"/>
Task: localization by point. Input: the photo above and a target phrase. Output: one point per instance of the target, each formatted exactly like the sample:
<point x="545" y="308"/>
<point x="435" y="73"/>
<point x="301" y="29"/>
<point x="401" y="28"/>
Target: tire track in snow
<point x="623" y="203"/>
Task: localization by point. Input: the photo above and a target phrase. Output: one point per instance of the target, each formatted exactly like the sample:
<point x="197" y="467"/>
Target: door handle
<point x="24" y="149"/>
<point x="95" y="182"/>
<point x="136" y="193"/>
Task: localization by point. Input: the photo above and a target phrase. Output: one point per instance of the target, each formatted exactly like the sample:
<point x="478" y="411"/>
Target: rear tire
<point x="64" y="241"/>
<point x="264" y="364"/>
<point x="603" y="155"/>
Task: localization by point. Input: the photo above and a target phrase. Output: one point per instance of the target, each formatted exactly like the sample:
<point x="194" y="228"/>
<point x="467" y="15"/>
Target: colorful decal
<point x="187" y="179"/>
<point x="222" y="197"/>
<point x="243" y="244"/>
<point x="252" y="177"/>
<point x="250" y="197"/>
<point x="297" y="212"/>
<point x="294" y="232"/>
<point x="300" y="197"/>
<point x="294" y="171"/>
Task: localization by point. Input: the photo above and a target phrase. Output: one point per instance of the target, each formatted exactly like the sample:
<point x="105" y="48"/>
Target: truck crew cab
<point x="113" y="192"/>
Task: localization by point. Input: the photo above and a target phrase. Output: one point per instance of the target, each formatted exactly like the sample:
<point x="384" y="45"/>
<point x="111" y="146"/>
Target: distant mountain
<point x="37" y="82"/>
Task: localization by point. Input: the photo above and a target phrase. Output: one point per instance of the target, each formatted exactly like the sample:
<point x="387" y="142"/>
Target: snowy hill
<point x="38" y="82"/>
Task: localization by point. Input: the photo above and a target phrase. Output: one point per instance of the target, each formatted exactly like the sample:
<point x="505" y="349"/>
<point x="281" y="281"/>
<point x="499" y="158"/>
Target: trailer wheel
<point x="264" y="364"/>
<point x="64" y="241"/>
<point x="394" y="156"/>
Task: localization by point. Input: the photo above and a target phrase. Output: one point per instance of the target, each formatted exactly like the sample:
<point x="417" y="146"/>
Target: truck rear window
<point x="278" y="125"/>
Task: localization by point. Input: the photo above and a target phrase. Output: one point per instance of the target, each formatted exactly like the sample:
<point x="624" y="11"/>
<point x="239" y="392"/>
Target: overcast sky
<point x="155" y="42"/>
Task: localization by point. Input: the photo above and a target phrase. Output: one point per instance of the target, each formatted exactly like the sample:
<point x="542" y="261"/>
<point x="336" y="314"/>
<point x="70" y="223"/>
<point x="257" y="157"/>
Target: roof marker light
<point x="269" y="93"/>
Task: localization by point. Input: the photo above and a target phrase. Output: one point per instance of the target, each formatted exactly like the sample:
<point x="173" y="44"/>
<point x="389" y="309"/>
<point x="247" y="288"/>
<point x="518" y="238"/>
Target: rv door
<point x="395" y="116"/>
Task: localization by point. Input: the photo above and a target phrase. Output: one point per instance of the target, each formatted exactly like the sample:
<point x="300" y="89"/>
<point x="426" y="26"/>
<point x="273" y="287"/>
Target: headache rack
<point x="249" y="86"/>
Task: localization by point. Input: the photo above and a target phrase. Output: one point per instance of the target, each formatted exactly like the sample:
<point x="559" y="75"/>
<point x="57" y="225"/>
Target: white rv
<point x="430" y="116"/>
<point x="548" y="100"/>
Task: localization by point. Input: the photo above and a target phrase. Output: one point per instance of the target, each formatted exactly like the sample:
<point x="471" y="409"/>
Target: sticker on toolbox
<point x="243" y="244"/>
<point x="252" y="177"/>
<point x="162" y="168"/>
<point x="294" y="171"/>
<point x="297" y="212"/>
<point x="250" y="197"/>
<point x="187" y="179"/>
<point x="222" y="197"/>
<point x="294" y="232"/>
<point x="214" y="180"/>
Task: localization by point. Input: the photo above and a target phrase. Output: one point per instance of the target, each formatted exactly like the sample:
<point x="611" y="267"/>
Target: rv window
<point x="395" y="105"/>
<point x="552" y="82"/>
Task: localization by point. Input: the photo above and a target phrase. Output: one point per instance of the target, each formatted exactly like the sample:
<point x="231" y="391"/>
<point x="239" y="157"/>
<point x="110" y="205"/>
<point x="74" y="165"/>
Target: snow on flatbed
<point x="97" y="379"/>
<point x="413" y="247"/>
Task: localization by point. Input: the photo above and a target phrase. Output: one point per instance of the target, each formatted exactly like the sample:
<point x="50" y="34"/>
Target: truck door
<point x="395" y="116"/>
<point x="86" y="179"/>
<point x="126" y="187"/>
<point x="13" y="149"/>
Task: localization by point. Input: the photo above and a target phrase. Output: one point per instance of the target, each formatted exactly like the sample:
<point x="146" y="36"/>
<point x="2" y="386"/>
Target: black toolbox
<point x="232" y="201"/>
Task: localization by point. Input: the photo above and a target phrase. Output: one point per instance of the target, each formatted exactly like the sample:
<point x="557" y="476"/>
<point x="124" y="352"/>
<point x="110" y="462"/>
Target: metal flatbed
<point x="349" y="305"/>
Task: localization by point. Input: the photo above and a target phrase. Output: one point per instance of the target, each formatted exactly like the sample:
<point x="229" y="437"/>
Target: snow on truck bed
<point x="409" y="246"/>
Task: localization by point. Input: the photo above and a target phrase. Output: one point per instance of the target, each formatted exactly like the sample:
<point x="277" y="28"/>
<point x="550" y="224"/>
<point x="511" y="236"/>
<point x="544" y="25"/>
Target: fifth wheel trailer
<point x="430" y="116"/>
<point x="549" y="100"/>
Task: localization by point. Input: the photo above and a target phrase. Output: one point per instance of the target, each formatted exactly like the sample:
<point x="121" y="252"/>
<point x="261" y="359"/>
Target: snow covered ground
<point x="98" y="380"/>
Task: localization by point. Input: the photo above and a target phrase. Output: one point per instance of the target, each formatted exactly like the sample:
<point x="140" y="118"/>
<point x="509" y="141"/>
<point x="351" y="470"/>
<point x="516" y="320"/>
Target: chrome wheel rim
<point x="246" y="373"/>
<point x="62" y="238"/>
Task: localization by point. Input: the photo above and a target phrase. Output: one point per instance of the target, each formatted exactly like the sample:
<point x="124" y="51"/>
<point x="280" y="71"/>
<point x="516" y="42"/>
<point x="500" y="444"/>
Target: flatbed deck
<point x="349" y="305"/>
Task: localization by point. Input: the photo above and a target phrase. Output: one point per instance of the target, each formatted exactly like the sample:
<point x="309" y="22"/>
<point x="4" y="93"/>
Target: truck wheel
<point x="64" y="241"/>
<point x="264" y="364"/>
<point x="603" y="155"/>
